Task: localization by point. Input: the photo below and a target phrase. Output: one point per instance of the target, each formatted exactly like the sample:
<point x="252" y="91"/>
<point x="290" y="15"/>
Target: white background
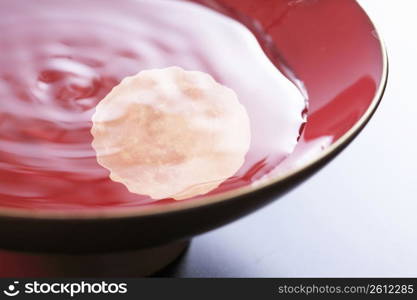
<point x="358" y="216"/>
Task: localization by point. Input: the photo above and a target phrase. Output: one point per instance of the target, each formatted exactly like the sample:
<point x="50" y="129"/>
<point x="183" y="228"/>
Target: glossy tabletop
<point x="356" y="217"/>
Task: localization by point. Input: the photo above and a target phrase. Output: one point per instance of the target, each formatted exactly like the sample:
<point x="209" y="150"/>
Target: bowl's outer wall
<point x="330" y="45"/>
<point x="85" y="236"/>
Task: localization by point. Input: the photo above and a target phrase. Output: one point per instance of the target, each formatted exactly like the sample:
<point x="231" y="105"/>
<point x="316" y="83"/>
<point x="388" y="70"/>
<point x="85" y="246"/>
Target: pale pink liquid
<point x="59" y="58"/>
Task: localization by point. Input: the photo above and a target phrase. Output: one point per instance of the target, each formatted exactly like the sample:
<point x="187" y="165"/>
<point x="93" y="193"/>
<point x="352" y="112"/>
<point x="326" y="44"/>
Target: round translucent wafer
<point x="170" y="133"/>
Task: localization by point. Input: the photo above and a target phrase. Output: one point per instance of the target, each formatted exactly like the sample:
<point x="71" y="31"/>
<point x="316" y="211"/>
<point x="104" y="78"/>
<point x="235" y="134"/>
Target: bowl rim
<point x="142" y="211"/>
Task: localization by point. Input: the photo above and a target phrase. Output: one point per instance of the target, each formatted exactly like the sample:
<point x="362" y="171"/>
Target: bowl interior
<point x="327" y="49"/>
<point x="333" y="48"/>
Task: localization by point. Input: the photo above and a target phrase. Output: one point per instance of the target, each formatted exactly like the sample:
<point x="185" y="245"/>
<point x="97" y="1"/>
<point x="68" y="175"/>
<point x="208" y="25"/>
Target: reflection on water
<point x="59" y="58"/>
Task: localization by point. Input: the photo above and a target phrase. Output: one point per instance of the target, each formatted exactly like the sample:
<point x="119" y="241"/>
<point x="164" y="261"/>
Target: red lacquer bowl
<point x="331" y="46"/>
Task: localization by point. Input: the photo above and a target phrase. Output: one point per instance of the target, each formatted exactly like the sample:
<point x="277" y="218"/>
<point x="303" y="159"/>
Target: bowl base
<point x="139" y="263"/>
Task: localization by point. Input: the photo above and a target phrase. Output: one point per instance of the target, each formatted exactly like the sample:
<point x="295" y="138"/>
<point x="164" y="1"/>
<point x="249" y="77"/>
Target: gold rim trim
<point x="139" y="211"/>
